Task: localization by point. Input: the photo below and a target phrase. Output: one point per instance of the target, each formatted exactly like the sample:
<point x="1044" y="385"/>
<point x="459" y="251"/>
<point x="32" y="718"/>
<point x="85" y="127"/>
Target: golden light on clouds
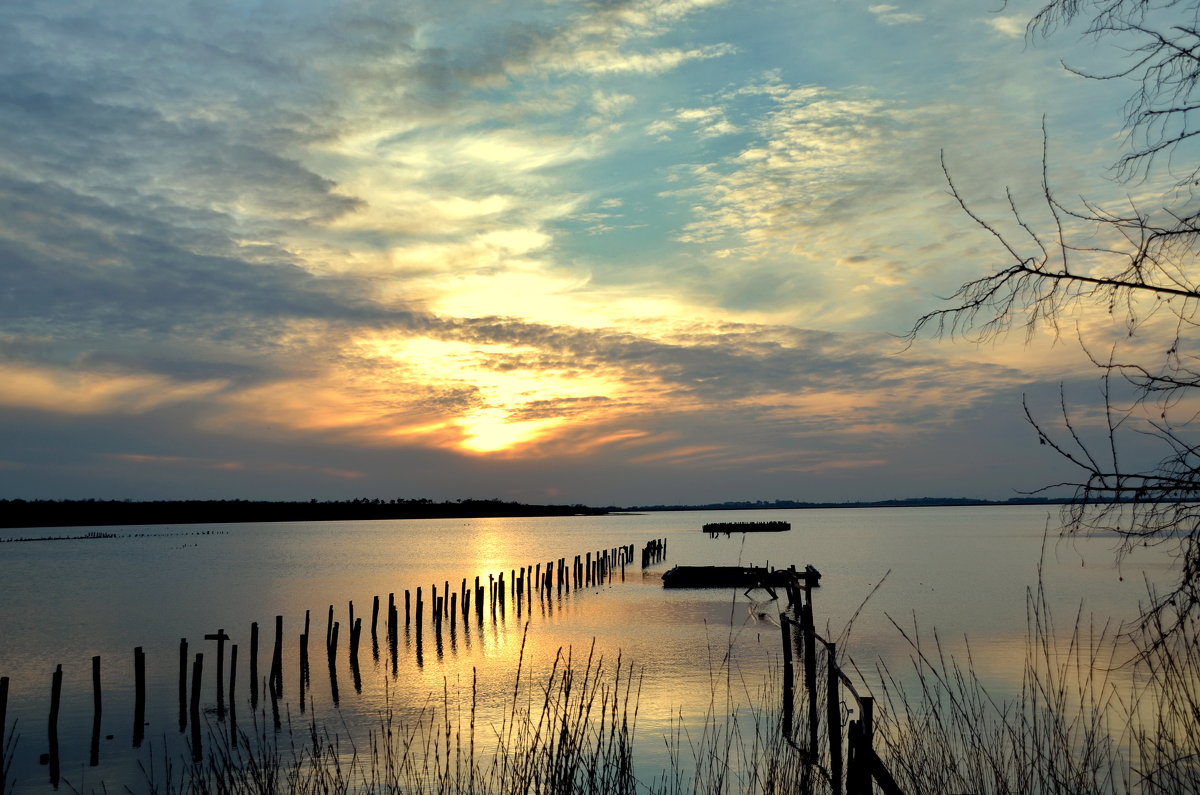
<point x="518" y="393"/>
<point x="92" y="392"/>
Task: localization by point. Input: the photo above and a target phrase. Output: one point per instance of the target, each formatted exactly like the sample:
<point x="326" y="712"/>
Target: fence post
<point x="788" y="675"/>
<point x="810" y="673"/>
<point x="3" y="725"/>
<point x="97" y="709"/>
<point x="183" y="683"/>
<point x="833" y="717"/>
<point x="139" y="696"/>
<point x="866" y="741"/>
<point x="52" y="724"/>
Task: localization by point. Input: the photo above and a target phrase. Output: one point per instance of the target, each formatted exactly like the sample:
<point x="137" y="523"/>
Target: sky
<point x="615" y="253"/>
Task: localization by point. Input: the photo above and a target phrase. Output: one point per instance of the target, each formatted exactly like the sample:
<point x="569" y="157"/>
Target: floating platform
<point x="738" y="577"/>
<point x="712" y="528"/>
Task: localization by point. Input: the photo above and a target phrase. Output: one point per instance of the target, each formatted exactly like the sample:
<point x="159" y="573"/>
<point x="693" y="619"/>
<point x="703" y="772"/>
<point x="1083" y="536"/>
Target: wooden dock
<point x="712" y="528"/>
<point x="739" y="577"/>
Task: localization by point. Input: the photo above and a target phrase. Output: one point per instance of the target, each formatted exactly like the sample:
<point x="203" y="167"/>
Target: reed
<point x="1098" y="711"/>
<point x="570" y="732"/>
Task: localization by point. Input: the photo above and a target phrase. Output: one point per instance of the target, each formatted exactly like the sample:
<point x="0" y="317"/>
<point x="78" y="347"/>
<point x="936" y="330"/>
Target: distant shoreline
<point x="106" y="513"/>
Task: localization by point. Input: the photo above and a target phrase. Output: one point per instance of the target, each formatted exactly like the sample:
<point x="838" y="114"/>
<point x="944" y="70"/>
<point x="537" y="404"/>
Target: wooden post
<point x="139" y="697"/>
<point x="833" y="717"/>
<point x="866" y="741"/>
<point x="94" y="757"/>
<point x="3" y="726"/>
<point x="254" y="664"/>
<point x="183" y="682"/>
<point x="374" y="615"/>
<point x="232" y="690"/>
<point x="197" y="678"/>
<point x="52" y="724"/>
<point x="810" y="672"/>
<point x="329" y="629"/>
<point x="277" y="657"/>
<point x="220" y="637"/>
<point x="788" y="676"/>
<point x="3" y="723"/>
<point x="304" y="636"/>
<point x="453" y="610"/>
<point x="854" y="762"/>
<point x="333" y="684"/>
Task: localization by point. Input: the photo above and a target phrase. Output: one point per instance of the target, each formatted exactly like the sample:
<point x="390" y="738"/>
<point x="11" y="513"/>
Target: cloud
<point x="892" y="15"/>
<point x="71" y="391"/>
<point x="1010" y="25"/>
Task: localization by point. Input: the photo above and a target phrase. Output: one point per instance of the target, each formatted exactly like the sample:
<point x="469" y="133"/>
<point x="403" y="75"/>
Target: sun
<point x="489" y="431"/>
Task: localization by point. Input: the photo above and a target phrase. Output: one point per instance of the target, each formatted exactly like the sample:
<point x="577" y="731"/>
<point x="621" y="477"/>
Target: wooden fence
<point x="846" y="757"/>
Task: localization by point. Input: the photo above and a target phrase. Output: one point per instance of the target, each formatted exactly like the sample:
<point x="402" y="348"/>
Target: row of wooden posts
<point x="584" y="571"/>
<point x="855" y="765"/>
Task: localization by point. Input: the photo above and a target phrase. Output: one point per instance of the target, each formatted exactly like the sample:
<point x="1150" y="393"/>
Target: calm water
<point x="961" y="571"/>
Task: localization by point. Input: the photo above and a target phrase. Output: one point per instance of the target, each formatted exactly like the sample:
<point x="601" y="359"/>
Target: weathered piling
<point x="139" y="696"/>
<point x="420" y="612"/>
<point x="254" y="664"/>
<point x="833" y="715"/>
<point x="275" y="721"/>
<point x="808" y="631"/>
<point x="331" y="656"/>
<point x="220" y="637"/>
<point x="453" y="609"/>
<point x="97" y="709"/>
<point x="329" y="629"/>
<point x="355" y="632"/>
<point x="233" y="734"/>
<point x="788" y="676"/>
<point x="183" y="682"/>
<point x="52" y="724"/>
<point x="197" y="678"/>
<point x="303" y="667"/>
<point x="277" y="659"/>
<point x="3" y="724"/>
<point x="374" y="615"/>
<point x="304" y="636"/>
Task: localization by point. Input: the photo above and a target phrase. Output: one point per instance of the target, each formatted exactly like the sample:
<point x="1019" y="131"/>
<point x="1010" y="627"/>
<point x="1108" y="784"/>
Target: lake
<point x="962" y="571"/>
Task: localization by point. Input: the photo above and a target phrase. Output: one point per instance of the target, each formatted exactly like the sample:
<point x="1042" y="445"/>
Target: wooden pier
<point x="715" y="528"/>
<point x="739" y="577"/>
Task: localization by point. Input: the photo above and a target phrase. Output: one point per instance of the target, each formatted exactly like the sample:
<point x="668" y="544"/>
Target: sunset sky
<point x="651" y="251"/>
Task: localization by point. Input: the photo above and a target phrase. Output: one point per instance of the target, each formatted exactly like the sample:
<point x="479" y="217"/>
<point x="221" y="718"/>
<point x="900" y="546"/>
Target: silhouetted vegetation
<point x="912" y="502"/>
<point x="67" y="513"/>
<point x="1134" y="262"/>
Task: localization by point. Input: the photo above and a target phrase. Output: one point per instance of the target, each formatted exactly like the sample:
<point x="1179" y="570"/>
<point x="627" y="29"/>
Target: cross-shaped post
<point x="220" y="637"/>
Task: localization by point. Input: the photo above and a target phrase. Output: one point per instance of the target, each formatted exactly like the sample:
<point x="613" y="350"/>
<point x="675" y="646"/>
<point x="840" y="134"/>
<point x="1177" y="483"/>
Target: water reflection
<point x="688" y="645"/>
